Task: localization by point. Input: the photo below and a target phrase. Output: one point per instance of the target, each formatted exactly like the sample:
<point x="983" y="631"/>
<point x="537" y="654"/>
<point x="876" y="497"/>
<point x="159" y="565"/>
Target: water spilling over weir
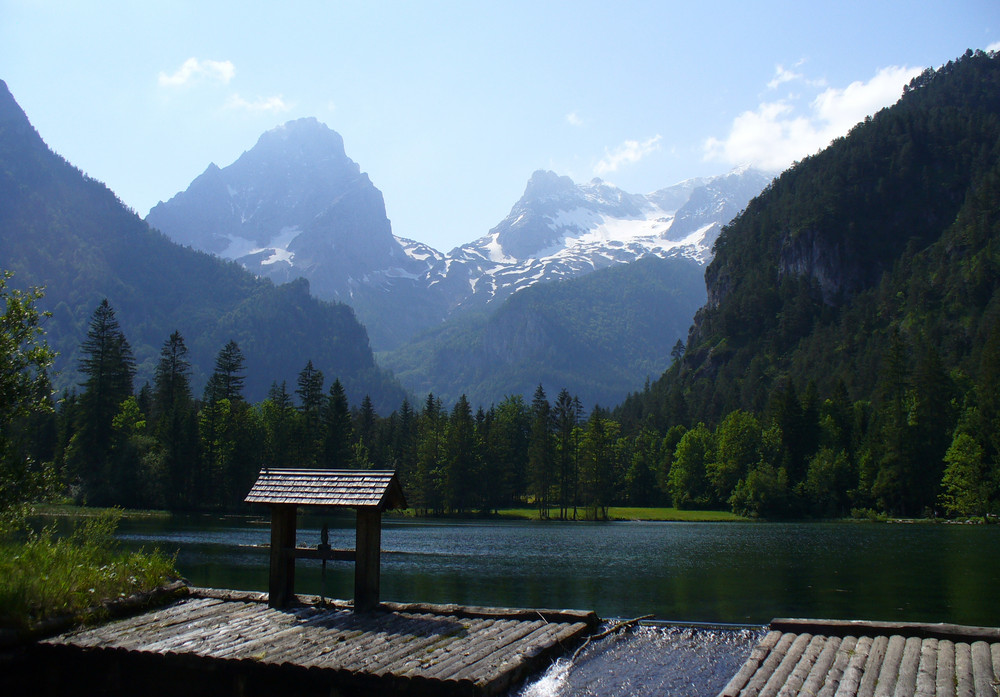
<point x="652" y="659"/>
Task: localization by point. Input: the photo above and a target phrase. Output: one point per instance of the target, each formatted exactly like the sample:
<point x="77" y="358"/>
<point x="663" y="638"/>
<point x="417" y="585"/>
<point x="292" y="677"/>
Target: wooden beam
<point x="368" y="549"/>
<point x="328" y="554"/>
<point x="281" y="585"/>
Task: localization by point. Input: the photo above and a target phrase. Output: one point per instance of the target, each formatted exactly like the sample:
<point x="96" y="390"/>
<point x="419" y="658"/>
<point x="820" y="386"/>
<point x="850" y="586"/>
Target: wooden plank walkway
<point x="310" y="648"/>
<point x="871" y="659"/>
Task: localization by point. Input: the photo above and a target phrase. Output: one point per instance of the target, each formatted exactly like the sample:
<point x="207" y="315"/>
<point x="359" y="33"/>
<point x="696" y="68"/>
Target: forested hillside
<point x="847" y="362"/>
<point x="68" y="233"/>
<point x="864" y="280"/>
<point x="603" y="333"/>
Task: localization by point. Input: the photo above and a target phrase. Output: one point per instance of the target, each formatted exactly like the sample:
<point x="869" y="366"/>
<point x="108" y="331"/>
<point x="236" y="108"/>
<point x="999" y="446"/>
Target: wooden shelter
<point x="368" y="491"/>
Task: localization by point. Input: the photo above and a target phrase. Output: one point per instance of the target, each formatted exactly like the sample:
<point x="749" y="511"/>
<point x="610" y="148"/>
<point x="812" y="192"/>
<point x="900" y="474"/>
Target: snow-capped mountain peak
<point x="559" y="229"/>
<point x="296" y="205"/>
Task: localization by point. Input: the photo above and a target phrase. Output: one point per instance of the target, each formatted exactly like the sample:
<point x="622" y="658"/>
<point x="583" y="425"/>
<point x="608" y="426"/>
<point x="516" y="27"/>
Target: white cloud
<point x="782" y="76"/>
<point x="779" y="132"/>
<point x="275" y="104"/>
<point x="194" y="69"/>
<point x="629" y="152"/>
<point x="573" y="120"/>
<point x="995" y="46"/>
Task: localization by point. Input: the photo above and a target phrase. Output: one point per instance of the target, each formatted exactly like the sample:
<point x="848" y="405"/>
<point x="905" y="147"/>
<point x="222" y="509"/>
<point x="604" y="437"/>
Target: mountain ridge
<point x="69" y="233"/>
<point x="832" y="264"/>
<point x="397" y="286"/>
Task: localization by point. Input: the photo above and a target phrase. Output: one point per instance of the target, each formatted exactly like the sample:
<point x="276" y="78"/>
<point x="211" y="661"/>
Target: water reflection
<point x="732" y="572"/>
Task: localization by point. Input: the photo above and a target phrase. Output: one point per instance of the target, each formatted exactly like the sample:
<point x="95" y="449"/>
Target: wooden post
<point x="368" y="549"/>
<point x="281" y="585"/>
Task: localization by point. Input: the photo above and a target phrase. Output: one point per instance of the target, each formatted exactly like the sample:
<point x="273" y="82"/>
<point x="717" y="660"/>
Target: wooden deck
<point x="844" y="659"/>
<point x="232" y="643"/>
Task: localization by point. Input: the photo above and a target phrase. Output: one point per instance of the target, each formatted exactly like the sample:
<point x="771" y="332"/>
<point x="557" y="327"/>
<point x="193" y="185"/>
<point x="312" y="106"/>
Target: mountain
<point x="599" y="335"/>
<point x="559" y="229"/>
<point x="69" y="233"/>
<point x="869" y="270"/>
<point x="296" y="205"/>
<point x="585" y="287"/>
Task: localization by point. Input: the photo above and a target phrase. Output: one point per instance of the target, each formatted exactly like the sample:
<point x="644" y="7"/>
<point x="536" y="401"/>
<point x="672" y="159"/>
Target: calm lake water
<point x="725" y="573"/>
<point x="741" y="573"/>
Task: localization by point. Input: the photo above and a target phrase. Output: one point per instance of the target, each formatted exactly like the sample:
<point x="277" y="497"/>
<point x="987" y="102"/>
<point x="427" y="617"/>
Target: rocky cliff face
<point x="826" y="261"/>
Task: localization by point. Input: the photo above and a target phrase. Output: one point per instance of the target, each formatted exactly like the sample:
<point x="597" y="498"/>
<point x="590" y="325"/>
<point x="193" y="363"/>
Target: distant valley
<point x="295" y="205"/>
<point x="843" y="360"/>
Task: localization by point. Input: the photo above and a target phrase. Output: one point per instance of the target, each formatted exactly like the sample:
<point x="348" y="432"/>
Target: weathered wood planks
<point x="858" y="659"/>
<point x="324" y="649"/>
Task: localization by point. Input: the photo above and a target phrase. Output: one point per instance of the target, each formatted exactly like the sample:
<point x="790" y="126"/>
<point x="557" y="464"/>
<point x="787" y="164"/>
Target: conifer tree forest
<point x="847" y="363"/>
<point x="926" y="445"/>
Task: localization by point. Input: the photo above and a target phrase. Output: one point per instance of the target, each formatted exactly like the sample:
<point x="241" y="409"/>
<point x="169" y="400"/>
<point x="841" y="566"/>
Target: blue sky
<point x="450" y="107"/>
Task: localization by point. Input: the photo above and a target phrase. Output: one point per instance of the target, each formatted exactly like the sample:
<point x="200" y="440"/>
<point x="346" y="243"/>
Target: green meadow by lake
<point x="735" y="572"/>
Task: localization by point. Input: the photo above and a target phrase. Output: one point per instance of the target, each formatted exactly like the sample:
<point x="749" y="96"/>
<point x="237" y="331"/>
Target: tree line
<point x="926" y="444"/>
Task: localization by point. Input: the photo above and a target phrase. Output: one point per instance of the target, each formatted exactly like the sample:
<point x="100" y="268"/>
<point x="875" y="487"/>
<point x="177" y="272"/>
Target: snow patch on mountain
<point x="559" y="229"/>
<point x="276" y="251"/>
<point x="295" y="205"/>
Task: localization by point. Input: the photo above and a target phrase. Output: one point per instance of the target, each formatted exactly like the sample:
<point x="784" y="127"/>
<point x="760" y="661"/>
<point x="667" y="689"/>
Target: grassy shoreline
<point x="46" y="576"/>
<point x="615" y="513"/>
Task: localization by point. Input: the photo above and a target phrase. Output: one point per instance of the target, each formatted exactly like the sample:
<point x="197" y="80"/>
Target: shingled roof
<point x="314" y="487"/>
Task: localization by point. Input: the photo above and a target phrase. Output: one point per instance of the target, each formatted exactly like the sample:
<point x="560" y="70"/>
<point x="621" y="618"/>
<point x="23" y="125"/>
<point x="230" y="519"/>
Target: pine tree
<point x="431" y="455"/>
<point x="507" y="451"/>
<point x="310" y="393"/>
<point x="228" y="378"/>
<point x="565" y="417"/>
<point x="541" y="452"/>
<point x="176" y="428"/>
<point x="365" y="426"/>
<point x="336" y="428"/>
<point x="108" y="367"/>
<point x="599" y="438"/>
<point x="462" y="457"/>
<point x="172" y="381"/>
<point x="405" y="445"/>
<point x="279" y="417"/>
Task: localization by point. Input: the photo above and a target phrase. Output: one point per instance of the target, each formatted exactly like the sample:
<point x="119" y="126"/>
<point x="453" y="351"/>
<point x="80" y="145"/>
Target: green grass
<point x="67" y="510"/>
<point x="675" y="514"/>
<point x="44" y="576"/>
<point x="632" y="513"/>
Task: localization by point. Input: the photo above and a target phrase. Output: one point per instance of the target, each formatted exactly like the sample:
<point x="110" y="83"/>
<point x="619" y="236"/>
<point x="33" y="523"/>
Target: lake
<point x="689" y="575"/>
<point x="741" y="573"/>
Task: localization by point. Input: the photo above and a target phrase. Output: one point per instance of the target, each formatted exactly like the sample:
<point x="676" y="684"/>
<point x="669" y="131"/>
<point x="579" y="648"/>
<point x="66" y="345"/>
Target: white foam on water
<point x="657" y="660"/>
<point x="552" y="683"/>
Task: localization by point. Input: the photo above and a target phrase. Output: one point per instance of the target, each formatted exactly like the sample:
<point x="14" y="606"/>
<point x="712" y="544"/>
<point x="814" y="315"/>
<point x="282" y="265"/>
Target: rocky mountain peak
<point x="305" y="143"/>
<point x="547" y="184"/>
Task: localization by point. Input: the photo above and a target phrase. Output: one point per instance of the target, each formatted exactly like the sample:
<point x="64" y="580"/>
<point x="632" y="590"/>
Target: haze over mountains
<point x="845" y="360"/>
<point x="296" y="205"/>
<point x="64" y="231"/>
